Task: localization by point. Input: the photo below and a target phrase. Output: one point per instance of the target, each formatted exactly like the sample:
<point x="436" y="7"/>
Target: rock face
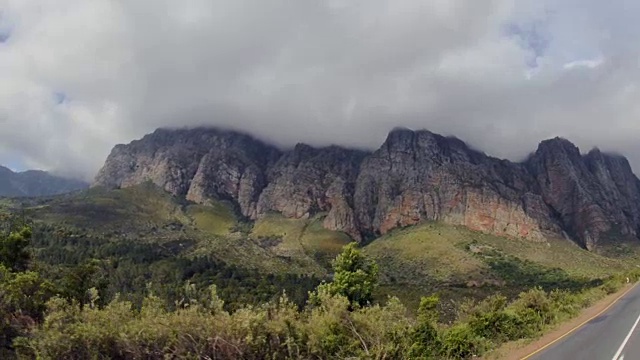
<point x="414" y="176"/>
<point x="419" y="176"/>
<point x="306" y="181"/>
<point x="35" y="183"/>
<point x="595" y="196"/>
<point x="200" y="164"/>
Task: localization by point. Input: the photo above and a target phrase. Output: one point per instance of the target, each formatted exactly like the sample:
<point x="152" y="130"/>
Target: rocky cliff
<point x="419" y="176"/>
<point x="413" y="176"/>
<point x="35" y="183"/>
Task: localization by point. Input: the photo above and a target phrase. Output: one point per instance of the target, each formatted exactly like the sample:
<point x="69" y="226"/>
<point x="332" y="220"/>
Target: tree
<point x="13" y="252"/>
<point x="355" y="277"/>
<point x="78" y="280"/>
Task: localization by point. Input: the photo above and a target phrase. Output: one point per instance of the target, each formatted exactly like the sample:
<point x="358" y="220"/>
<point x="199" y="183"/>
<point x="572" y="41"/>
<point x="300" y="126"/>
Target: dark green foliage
<point x="425" y="340"/>
<point x="492" y="320"/>
<point x="130" y="268"/>
<point x="200" y="327"/>
<point x="77" y="281"/>
<point x="23" y="294"/>
<point x="355" y="276"/>
<point x="269" y="241"/>
<point x="13" y="249"/>
<point x="242" y="227"/>
<point x="461" y="342"/>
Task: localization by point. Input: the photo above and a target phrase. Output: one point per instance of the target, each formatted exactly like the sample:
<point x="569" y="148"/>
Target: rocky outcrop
<point x="595" y="196"/>
<point x="414" y="176"/>
<point x="306" y="181"/>
<point x="34" y="183"/>
<point x="200" y="164"/>
<point x="419" y="176"/>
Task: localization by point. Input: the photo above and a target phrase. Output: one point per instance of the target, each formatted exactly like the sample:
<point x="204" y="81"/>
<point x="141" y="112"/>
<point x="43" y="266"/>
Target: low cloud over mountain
<point x="79" y="76"/>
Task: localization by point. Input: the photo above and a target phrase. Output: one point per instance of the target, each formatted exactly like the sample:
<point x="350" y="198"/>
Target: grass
<point x="302" y="239"/>
<point x="560" y="253"/>
<point x="217" y="219"/>
<point x="437" y="252"/>
<point x="459" y="264"/>
<point x="135" y="209"/>
<point x="244" y="252"/>
<point x="426" y="254"/>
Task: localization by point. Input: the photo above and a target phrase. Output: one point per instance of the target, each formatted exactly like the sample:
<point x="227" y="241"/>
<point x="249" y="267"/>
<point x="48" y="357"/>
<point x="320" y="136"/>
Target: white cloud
<point x="584" y="63"/>
<point x="501" y="74"/>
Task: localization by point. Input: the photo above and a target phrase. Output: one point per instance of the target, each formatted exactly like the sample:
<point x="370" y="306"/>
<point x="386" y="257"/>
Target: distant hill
<point x="35" y="183"/>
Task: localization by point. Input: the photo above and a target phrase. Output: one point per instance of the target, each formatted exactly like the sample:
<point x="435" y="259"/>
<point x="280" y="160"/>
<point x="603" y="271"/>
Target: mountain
<point x="35" y="183"/>
<point x="594" y="199"/>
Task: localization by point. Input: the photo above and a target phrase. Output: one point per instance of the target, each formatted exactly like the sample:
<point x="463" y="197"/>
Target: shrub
<point x="497" y="326"/>
<point x="339" y="321"/>
<point x="565" y="304"/>
<point x="534" y="309"/>
<point x="460" y="342"/>
<point x="426" y="342"/>
<point x="611" y="286"/>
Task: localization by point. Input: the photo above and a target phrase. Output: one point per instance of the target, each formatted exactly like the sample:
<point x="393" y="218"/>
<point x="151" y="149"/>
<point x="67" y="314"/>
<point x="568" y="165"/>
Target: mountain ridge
<point x="593" y="198"/>
<point x="33" y="183"/>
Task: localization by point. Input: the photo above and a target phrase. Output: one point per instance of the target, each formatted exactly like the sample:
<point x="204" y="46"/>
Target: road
<point x="614" y="335"/>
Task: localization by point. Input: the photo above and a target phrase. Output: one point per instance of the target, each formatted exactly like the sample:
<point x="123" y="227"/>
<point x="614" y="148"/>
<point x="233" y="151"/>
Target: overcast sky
<point x="79" y="76"/>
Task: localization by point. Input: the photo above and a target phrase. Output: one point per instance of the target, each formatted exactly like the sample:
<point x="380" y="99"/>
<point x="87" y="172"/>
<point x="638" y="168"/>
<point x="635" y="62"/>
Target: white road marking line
<point x="621" y="357"/>
<point x="624" y="343"/>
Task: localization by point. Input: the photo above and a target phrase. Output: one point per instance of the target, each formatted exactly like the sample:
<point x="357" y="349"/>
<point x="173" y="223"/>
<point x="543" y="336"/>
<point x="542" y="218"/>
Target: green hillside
<point x="459" y="263"/>
<point x="167" y="233"/>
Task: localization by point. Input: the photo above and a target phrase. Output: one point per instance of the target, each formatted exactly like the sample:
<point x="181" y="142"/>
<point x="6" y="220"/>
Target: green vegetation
<point x="304" y="240"/>
<point x="355" y="277"/>
<point x="13" y="253"/>
<point x="341" y="320"/>
<point x="217" y="219"/>
<point x="135" y="271"/>
<point x="460" y="265"/>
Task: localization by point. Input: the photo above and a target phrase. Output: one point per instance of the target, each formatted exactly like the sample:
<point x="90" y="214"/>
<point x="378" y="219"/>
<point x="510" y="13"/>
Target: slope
<point x="459" y="263"/>
<point x="145" y="225"/>
<point x="146" y="214"/>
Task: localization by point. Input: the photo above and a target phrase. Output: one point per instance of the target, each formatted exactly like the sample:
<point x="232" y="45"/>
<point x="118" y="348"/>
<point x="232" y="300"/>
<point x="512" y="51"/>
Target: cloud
<point x="588" y="63"/>
<point x="79" y="76"/>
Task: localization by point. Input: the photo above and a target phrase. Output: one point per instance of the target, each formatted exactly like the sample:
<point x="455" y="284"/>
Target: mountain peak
<point x="558" y="144"/>
<point x="414" y="176"/>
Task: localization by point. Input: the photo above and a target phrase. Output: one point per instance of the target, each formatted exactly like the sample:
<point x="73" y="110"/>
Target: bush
<point x="611" y="286"/>
<point x="565" y="304"/>
<point x="497" y="326"/>
<point x="460" y="342"/>
<point x="535" y="309"/>
<point x="426" y="342"/>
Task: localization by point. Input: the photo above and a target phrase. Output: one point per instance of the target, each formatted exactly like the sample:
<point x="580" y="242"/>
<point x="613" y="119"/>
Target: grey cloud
<point x="322" y="72"/>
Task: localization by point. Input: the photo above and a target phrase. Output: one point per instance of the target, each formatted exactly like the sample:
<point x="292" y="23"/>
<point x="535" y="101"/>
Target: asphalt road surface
<point x="614" y="335"/>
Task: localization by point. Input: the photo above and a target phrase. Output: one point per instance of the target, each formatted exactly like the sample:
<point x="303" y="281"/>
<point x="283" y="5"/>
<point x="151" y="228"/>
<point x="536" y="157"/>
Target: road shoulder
<point x="520" y="349"/>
